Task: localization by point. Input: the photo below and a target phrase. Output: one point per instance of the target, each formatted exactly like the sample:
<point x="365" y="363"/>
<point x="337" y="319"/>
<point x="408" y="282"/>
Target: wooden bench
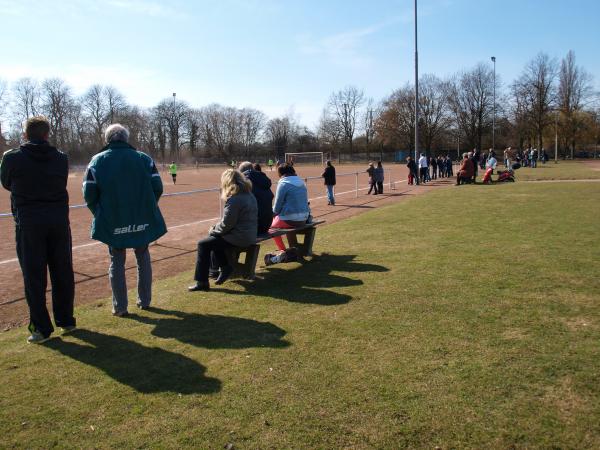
<point x="247" y="267"/>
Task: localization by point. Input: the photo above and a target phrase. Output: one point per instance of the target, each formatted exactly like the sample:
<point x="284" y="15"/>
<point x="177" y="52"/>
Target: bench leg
<point x="307" y="244"/>
<point x="250" y="261"/>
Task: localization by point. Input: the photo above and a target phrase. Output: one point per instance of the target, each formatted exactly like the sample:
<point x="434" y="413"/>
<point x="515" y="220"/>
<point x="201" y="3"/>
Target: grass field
<point x="564" y="170"/>
<point x="465" y="318"/>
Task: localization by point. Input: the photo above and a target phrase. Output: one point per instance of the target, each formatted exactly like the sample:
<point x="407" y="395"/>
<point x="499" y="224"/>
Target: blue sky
<point x="281" y="56"/>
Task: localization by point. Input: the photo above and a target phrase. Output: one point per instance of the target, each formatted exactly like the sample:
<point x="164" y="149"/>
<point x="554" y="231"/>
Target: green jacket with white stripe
<point x="121" y="187"/>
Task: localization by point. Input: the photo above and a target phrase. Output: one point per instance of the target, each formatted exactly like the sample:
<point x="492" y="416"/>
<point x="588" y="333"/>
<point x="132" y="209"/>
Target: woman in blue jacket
<point x="290" y="208"/>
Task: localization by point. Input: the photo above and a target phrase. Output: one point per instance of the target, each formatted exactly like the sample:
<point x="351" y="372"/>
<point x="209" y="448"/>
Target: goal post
<point x="315" y="158"/>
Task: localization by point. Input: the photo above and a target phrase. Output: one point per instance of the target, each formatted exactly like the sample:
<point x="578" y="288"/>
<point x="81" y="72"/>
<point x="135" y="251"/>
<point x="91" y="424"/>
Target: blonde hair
<point x="233" y="182"/>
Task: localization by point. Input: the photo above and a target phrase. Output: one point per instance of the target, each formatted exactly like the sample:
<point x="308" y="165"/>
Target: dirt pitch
<point x="188" y="218"/>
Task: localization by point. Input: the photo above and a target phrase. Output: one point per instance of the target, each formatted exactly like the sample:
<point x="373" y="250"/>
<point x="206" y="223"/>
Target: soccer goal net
<point x="315" y="158"/>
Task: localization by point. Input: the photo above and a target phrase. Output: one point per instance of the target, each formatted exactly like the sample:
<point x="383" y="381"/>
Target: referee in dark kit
<point x="36" y="175"/>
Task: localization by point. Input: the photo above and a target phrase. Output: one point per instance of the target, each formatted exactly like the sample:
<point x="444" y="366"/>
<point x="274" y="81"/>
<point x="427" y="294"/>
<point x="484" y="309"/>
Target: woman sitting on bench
<point x="290" y="210"/>
<point x="467" y="170"/>
<point x="237" y="228"/>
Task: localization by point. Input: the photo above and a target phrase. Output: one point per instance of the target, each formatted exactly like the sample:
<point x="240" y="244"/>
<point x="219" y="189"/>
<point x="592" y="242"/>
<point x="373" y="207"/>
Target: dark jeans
<point x="380" y="187"/>
<point x="423" y="171"/>
<point x="43" y="248"/>
<point x="215" y="244"/>
<point x="372" y="187"/>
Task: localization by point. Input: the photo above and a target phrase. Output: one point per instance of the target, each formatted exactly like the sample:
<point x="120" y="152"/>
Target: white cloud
<point x="346" y="48"/>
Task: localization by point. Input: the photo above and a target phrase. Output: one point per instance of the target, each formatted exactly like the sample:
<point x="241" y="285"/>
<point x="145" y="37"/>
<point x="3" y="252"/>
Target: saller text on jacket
<point x="131" y="229"/>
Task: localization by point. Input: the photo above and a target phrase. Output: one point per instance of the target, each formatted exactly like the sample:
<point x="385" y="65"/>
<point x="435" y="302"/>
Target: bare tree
<point x="115" y="103"/>
<point x="433" y="107"/>
<point x="330" y="131"/>
<point x="395" y="123"/>
<point x="192" y="129"/>
<point x="344" y="106"/>
<point x="574" y="90"/>
<point x="253" y="122"/>
<point x="368" y="120"/>
<point x="280" y="132"/>
<point x="3" y="106"/>
<point x="214" y="130"/>
<point x="470" y="98"/>
<point x="537" y="91"/>
<point x="56" y="100"/>
<point x="96" y="110"/>
<point x="26" y="99"/>
<point x="173" y="114"/>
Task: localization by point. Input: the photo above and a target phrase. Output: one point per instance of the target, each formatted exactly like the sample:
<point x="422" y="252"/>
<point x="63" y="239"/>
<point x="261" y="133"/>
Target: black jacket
<point x="412" y="166"/>
<point x="329" y="175"/>
<point x="261" y="188"/>
<point x="36" y="174"/>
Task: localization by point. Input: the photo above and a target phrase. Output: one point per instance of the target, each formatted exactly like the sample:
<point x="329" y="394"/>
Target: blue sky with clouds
<point x="282" y="55"/>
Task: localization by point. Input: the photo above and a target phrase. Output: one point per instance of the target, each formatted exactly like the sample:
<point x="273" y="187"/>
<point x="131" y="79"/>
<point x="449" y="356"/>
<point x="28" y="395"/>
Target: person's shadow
<point x="213" y="331"/>
<point x="145" y="369"/>
<point x="309" y="282"/>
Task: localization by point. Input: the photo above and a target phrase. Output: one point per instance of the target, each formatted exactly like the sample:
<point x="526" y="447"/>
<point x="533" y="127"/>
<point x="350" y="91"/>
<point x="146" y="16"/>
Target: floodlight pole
<point x="494" y="114"/>
<point x="416" y="91"/>
<point x="177" y="144"/>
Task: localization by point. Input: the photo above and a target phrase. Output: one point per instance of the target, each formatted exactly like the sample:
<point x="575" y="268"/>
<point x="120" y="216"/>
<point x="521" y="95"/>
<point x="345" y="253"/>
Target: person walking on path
<point x="36" y="175"/>
<point x="413" y="177"/>
<point x="379" y="177"/>
<point x="121" y="188"/>
<point x="173" y="171"/>
<point x="372" y="183"/>
<point x="237" y="228"/>
<point x="441" y="167"/>
<point x="433" y="164"/>
<point x="329" y="176"/>
<point x="423" y="168"/>
<point x="476" y="156"/>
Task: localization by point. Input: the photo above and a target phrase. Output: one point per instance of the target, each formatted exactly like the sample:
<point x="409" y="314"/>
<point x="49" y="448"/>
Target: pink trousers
<point x="278" y="223"/>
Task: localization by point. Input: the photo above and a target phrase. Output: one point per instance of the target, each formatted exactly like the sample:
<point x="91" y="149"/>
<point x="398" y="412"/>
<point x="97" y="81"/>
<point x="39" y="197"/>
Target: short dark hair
<point x="257" y="167"/>
<point x="37" y="128"/>
<point x="286" y="169"/>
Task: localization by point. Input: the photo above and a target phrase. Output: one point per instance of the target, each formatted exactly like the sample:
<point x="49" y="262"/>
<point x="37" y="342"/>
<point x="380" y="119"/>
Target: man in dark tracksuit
<point x="36" y="175"/>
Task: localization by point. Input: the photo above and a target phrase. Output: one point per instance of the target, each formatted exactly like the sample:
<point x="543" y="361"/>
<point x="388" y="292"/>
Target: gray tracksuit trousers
<point x="118" y="283"/>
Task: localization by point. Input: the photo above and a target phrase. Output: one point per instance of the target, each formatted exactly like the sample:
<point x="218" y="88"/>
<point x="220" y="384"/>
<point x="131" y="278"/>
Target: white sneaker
<point x="37" y="338"/>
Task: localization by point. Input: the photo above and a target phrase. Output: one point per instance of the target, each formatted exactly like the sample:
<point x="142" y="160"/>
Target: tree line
<point x="549" y="99"/>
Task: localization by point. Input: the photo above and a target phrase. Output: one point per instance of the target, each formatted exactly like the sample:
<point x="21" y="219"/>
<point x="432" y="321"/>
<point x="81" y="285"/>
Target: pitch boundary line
<point x="92" y="244"/>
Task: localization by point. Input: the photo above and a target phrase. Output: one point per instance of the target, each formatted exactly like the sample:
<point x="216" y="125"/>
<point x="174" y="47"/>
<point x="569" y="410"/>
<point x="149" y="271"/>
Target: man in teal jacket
<point x="121" y="188"/>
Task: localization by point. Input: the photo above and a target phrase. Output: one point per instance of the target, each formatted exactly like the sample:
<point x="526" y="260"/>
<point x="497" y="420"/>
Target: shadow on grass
<point x="145" y="369"/>
<point x="212" y="331"/>
<point x="298" y="285"/>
